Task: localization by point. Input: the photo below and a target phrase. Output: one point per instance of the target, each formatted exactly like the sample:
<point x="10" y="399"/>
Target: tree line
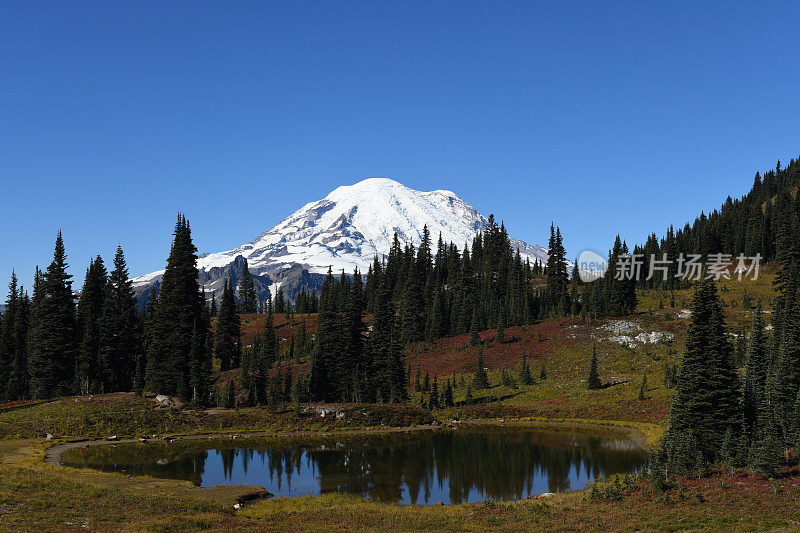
<point x="721" y="417"/>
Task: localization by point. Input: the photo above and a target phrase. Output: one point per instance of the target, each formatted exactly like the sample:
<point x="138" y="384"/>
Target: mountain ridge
<point x="344" y="230"/>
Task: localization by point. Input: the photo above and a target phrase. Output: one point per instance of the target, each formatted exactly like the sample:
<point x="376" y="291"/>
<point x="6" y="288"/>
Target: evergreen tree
<point x="557" y="275"/>
<point x="412" y="306"/>
<point x="178" y="344"/>
<point x="643" y="391"/>
<point x="474" y="337"/>
<point x="755" y="380"/>
<point x="385" y="351"/>
<point x="593" y="381"/>
<point x="481" y="379"/>
<point x="707" y="399"/>
<point x="500" y="335"/>
<point x="121" y="350"/>
<point x="448" y="395"/>
<point x="13" y="344"/>
<point x="91" y="373"/>
<point x="213" y="305"/>
<point x="326" y="344"/>
<point x="433" y="401"/>
<point x="228" y="335"/>
<point x="53" y="336"/>
<point x="525" y="376"/>
<point x="351" y="369"/>
<point x="247" y="291"/>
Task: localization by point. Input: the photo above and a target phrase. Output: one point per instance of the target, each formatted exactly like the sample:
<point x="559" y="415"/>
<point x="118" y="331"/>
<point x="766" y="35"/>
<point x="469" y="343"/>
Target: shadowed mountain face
<point x="344" y="230"/>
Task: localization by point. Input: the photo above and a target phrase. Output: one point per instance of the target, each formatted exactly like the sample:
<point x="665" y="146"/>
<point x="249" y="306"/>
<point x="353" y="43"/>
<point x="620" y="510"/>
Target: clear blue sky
<point x="604" y="117"/>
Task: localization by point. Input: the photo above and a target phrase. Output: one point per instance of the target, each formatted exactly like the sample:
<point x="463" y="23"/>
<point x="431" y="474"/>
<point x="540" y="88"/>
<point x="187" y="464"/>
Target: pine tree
<point x="557" y="275"/>
<point x="53" y="335"/>
<point x="326" y="345"/>
<point x="433" y="401"/>
<point x="593" y="381"/>
<point x="481" y="379"/>
<point x="755" y="381"/>
<point x="707" y="399"/>
<point x="349" y="366"/>
<point x="228" y="335"/>
<point x="525" y="376"/>
<point x="448" y="395"/>
<point x="385" y="351"/>
<point x="412" y="306"/>
<point x="500" y="335"/>
<point x="13" y="344"/>
<point x="178" y="345"/>
<point x="643" y="390"/>
<point x="247" y="291"/>
<point x="120" y="347"/>
<point x="474" y="337"/>
<point x="91" y="373"/>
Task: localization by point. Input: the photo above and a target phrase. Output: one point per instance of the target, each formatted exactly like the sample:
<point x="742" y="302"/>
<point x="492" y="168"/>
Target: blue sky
<point x="604" y="117"/>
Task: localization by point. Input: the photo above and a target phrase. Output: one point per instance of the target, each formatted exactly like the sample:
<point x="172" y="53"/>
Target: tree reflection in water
<point x="455" y="467"/>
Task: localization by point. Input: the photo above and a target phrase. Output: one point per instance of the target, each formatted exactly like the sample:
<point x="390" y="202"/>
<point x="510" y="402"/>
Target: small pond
<point x="467" y="465"/>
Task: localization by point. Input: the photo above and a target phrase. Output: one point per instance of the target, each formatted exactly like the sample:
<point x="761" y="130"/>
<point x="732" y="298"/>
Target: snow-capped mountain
<point x="346" y="229"/>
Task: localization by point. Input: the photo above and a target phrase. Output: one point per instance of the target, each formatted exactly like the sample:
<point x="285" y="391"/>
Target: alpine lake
<point x="468" y="465"/>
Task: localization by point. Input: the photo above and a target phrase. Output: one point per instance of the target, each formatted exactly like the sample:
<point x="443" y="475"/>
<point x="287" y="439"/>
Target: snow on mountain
<point x="350" y="226"/>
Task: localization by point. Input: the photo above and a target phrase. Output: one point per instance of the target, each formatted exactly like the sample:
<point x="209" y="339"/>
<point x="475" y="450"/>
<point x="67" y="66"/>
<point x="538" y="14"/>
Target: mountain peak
<point x="353" y="224"/>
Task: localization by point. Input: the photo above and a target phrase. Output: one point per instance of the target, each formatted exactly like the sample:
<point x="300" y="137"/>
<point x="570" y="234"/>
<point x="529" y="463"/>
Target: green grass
<point x="36" y="496"/>
<point x="39" y="497"/>
<point x="134" y="416"/>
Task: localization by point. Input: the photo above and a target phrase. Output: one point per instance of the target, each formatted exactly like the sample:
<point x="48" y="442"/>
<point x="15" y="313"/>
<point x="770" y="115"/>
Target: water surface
<point x="420" y="467"/>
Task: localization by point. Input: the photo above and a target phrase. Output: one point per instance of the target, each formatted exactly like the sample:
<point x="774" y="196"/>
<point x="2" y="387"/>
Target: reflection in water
<point x="455" y="467"/>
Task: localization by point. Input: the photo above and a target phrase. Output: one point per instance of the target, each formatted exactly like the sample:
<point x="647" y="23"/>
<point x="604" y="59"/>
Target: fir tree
<point x="385" y="351"/>
<point x="13" y="344"/>
<point x="525" y="376"/>
<point x="755" y="380"/>
<point x="500" y="335"/>
<point x="178" y="344"/>
<point x="91" y="373"/>
<point x="448" y="395"/>
<point x="412" y="306"/>
<point x="53" y="335"/>
<point x="593" y="381"/>
<point x="481" y="379"/>
<point x="227" y="338"/>
<point x="707" y="399"/>
<point x="474" y="337"/>
<point x="121" y="349"/>
<point x="433" y="401"/>
<point x="557" y="275"/>
<point x="247" y="291"/>
<point x="326" y="345"/>
<point x="643" y="390"/>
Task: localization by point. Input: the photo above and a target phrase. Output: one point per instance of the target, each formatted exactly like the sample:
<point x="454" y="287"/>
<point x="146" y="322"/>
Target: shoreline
<point x="53" y="453"/>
